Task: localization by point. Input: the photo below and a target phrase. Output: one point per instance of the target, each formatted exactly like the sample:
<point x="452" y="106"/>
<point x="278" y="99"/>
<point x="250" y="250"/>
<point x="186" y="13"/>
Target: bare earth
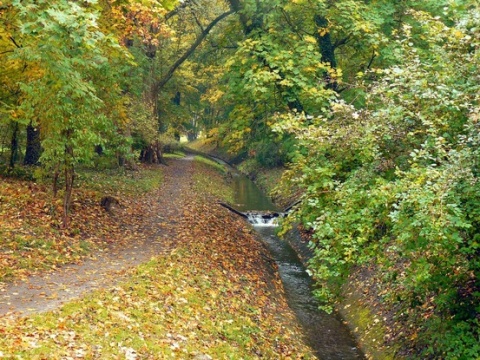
<point x="49" y="290"/>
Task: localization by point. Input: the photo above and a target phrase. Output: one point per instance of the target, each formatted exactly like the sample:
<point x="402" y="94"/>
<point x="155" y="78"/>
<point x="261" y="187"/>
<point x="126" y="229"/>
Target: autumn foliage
<point x="213" y="294"/>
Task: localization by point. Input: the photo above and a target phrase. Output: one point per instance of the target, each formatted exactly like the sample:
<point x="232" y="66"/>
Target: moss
<point x="174" y="155"/>
<point x="368" y="328"/>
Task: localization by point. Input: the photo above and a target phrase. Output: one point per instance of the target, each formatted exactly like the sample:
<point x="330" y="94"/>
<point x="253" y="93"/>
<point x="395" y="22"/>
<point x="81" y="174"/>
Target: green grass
<point x="174" y="155"/>
<point x="367" y="326"/>
<point x="210" y="178"/>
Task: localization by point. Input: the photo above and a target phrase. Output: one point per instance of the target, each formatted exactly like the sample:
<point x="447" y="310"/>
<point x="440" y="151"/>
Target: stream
<point x="326" y="334"/>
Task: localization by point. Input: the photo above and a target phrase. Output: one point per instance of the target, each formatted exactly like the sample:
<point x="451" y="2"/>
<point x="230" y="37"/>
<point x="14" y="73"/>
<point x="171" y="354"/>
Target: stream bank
<point x="359" y="307"/>
<point x="326" y="334"/>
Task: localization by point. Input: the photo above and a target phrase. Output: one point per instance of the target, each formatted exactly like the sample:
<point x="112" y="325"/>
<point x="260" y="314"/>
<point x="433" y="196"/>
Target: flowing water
<point x="325" y="333"/>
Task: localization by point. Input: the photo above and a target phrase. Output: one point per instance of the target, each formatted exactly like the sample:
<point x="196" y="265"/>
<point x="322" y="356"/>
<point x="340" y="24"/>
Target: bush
<point x="270" y="153"/>
<point x="396" y="184"/>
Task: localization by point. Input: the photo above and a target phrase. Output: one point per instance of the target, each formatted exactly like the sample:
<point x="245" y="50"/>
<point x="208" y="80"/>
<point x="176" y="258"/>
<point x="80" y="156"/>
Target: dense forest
<point x="371" y="105"/>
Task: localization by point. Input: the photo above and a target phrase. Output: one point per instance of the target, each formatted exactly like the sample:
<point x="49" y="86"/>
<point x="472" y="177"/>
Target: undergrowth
<point x="31" y="237"/>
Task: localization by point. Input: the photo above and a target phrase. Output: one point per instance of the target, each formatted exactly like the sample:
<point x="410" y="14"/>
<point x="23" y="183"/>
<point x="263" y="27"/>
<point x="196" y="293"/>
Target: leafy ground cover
<point x="214" y="296"/>
<point x="206" y="299"/>
<point x="31" y="238"/>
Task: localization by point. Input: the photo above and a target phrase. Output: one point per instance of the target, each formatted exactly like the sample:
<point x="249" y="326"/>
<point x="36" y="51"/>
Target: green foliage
<point x="395" y="184"/>
<point x="170" y="144"/>
<point x="266" y="76"/>
<point x="63" y="41"/>
<point x="374" y="103"/>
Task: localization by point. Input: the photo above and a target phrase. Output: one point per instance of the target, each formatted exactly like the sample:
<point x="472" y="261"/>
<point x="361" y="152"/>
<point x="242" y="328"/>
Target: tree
<point x="63" y="41"/>
<point x="12" y="71"/>
<point x="392" y="184"/>
<point x="163" y="57"/>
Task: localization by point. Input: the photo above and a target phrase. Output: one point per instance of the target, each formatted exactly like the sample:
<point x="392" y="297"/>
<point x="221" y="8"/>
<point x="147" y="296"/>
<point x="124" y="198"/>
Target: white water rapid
<point x="263" y="219"/>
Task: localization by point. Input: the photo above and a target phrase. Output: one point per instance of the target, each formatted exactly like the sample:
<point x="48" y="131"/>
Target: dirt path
<point x="159" y="229"/>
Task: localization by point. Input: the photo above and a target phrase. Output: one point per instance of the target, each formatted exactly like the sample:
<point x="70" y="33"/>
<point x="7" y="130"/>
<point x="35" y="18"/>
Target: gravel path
<point x="49" y="290"/>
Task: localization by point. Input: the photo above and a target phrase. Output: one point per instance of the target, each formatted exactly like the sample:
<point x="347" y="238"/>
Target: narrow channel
<point x="326" y="334"/>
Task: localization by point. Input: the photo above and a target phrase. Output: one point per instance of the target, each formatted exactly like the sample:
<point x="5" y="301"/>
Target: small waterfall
<point x="327" y="334"/>
<point x="263" y="219"/>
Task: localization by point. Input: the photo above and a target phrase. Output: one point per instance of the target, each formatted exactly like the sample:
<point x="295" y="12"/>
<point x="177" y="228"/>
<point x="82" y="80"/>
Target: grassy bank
<point x="359" y="305"/>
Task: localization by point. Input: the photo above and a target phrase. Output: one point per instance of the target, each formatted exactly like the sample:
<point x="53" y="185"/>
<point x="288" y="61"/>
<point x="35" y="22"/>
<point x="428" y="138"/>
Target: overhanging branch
<point x="168" y="75"/>
<point x="175" y="11"/>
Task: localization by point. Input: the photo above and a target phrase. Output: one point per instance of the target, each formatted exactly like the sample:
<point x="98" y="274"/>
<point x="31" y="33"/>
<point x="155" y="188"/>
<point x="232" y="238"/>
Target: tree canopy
<point x="372" y="105"/>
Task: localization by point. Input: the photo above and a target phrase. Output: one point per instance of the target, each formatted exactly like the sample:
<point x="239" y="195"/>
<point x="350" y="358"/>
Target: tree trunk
<point x="152" y="154"/>
<point x="33" y="150"/>
<point x="69" y="180"/>
<point x="14" y="146"/>
<point x="326" y="47"/>
<point x="121" y="160"/>
<point x="56" y="174"/>
<point x="67" y="198"/>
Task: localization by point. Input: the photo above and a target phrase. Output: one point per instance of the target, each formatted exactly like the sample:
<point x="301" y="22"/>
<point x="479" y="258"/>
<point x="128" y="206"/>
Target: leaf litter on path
<point x="212" y="295"/>
<point x="139" y="242"/>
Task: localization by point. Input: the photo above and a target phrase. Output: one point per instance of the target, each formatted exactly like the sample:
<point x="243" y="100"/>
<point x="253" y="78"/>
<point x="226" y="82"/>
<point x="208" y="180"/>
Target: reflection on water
<point x="249" y="197"/>
<point x="325" y="333"/>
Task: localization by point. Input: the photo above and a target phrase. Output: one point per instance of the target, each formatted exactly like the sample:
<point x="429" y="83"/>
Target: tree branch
<point x="341" y="42"/>
<point x="198" y="22"/>
<point x="294" y="28"/>
<point x="371" y="59"/>
<point x="178" y="8"/>
<point x="14" y="42"/>
<point x="168" y="75"/>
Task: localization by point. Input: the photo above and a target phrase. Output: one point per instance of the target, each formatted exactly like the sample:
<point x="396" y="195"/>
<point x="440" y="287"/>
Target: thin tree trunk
<point x="67" y="198"/>
<point x="69" y="180"/>
<point x="56" y="174"/>
<point x="69" y="171"/>
<point x="14" y="146"/>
